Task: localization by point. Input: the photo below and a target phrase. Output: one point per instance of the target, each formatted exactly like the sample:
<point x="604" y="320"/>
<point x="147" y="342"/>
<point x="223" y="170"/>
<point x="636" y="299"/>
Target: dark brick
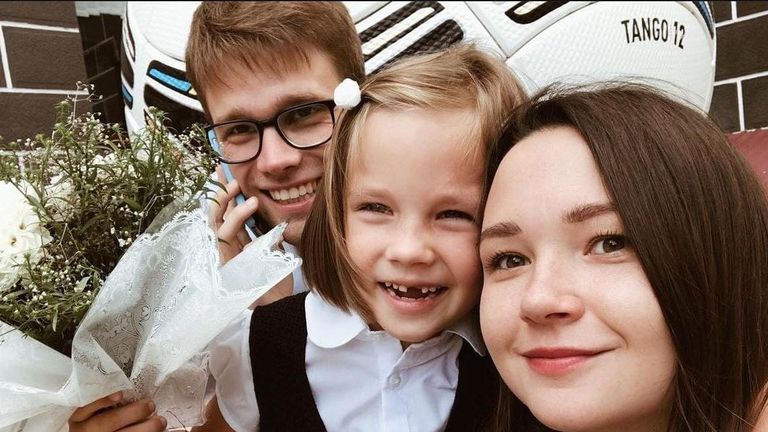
<point x="91" y="66"/>
<point x="101" y="57"/>
<point x="741" y="48"/>
<point x="112" y="110"/>
<point x="755" y="95"/>
<point x="53" y="13"/>
<point x="113" y="26"/>
<point x="724" y="109"/>
<point x="744" y="8"/>
<point x="721" y="10"/>
<point x="91" y="31"/>
<point x="44" y="59"/>
<point x="25" y="115"/>
<point x="106" y="83"/>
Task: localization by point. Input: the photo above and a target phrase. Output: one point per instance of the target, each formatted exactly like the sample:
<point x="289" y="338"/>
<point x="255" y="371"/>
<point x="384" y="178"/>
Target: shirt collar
<point x="469" y="329"/>
<point x="327" y="325"/>
<point x="330" y="327"/>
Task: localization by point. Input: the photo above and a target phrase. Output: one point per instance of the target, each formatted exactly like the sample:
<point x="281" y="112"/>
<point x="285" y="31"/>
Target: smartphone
<point x="250" y="223"/>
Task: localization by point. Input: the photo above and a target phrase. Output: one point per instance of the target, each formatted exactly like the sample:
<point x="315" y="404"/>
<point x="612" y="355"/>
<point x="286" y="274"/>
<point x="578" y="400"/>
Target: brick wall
<point x="101" y="31"/>
<point x="41" y="59"/>
<point x="740" y="100"/>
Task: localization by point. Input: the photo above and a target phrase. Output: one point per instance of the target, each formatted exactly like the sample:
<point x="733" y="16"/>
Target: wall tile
<point x="91" y="30"/>
<point x="106" y="83"/>
<point x="742" y="48"/>
<point x="111" y="109"/>
<point x="113" y="26"/>
<point x="25" y="115"/>
<point x="101" y="56"/>
<point x="2" y="74"/>
<point x="755" y="96"/>
<point x="725" y="107"/>
<point x="721" y="10"/>
<point x="744" y="8"/>
<point x="53" y="13"/>
<point x="44" y="59"/>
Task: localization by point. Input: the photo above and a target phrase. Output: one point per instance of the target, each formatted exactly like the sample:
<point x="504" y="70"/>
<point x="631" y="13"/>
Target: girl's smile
<point x="411" y="220"/>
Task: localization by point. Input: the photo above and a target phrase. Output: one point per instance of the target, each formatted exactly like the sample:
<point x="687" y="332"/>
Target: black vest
<point x="278" y="340"/>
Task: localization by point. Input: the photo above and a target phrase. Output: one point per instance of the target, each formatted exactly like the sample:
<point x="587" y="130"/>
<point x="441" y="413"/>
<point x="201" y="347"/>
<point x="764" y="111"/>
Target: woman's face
<point x="567" y="312"/>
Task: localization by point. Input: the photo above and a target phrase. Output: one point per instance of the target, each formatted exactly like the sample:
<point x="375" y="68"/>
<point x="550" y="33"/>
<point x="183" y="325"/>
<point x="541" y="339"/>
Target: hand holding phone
<point x="231" y="210"/>
<point x="230" y="216"/>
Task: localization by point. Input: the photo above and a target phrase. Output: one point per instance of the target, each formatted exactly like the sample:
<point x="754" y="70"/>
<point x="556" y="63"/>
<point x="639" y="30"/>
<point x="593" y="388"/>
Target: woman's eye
<point x="455" y="214"/>
<point x="609" y="244"/>
<point x="375" y="208"/>
<point x="506" y="260"/>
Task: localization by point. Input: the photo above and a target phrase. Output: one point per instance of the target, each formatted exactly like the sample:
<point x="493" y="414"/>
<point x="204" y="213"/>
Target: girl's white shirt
<point x="361" y="380"/>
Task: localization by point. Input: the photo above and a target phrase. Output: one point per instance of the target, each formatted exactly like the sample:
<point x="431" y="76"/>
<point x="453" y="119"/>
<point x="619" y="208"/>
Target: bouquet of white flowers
<point x="85" y="193"/>
<point x="86" y="275"/>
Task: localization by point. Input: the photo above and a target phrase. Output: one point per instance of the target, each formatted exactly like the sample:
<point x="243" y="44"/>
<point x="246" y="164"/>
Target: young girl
<point x="386" y="340"/>
<point x="625" y="251"/>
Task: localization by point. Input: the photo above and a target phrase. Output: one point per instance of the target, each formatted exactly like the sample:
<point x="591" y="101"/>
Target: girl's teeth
<point x="403" y="288"/>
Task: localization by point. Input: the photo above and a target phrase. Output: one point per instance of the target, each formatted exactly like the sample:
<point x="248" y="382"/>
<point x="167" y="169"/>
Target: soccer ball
<point x="670" y="45"/>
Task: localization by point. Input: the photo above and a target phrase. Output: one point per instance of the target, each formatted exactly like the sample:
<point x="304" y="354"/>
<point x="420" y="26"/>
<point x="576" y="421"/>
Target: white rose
<point x="347" y="94"/>
<point x="20" y="234"/>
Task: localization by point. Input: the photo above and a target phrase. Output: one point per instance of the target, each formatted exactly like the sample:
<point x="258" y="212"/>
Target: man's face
<point x="258" y="95"/>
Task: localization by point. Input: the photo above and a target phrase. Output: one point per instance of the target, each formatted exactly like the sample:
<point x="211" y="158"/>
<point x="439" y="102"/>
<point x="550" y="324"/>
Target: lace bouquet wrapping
<point x="145" y="332"/>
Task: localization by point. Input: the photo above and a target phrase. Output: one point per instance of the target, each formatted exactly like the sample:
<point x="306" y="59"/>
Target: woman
<point x="625" y="254"/>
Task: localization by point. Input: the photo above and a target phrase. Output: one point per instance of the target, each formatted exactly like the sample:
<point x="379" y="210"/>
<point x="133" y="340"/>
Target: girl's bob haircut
<point x="459" y="78"/>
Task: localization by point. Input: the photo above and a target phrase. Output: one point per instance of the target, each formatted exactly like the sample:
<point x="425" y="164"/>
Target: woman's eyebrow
<point x="499" y="230"/>
<point x="587" y="211"/>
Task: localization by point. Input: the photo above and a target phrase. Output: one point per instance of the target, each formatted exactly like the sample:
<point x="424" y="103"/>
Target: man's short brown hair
<point x="269" y="37"/>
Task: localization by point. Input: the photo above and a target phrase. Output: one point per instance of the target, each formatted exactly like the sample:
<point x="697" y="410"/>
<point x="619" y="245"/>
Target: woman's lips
<point x="558" y="361"/>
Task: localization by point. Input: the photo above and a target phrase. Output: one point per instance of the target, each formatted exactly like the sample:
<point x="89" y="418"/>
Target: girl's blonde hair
<point x="459" y="78"/>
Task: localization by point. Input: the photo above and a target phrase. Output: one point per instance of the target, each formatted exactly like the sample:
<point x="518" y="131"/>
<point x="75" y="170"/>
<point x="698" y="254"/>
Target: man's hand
<point x="104" y="415"/>
<point x="229" y="218"/>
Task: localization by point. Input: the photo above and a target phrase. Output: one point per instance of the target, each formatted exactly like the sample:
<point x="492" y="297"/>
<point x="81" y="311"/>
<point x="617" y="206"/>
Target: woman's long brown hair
<point x="698" y="219"/>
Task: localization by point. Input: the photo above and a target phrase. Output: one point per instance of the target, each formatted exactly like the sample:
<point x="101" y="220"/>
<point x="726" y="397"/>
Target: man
<point x="258" y="69"/>
<point x="256" y="61"/>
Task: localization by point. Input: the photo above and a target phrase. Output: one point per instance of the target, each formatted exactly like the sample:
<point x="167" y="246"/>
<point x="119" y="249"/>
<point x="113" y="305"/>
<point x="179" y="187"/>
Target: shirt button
<point x="394" y="380"/>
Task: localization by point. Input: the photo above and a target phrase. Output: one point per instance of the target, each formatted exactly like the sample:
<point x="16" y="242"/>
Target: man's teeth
<point x="403" y="288"/>
<point x="294" y="192"/>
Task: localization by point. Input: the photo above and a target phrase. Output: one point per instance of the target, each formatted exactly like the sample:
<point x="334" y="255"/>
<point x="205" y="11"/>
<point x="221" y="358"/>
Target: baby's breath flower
<point x="95" y="190"/>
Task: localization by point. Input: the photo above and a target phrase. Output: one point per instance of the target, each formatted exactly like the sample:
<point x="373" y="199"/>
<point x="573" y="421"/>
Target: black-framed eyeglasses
<point x="302" y="126"/>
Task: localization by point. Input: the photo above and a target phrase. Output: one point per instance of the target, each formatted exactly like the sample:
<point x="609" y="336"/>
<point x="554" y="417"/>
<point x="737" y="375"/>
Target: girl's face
<point x="411" y="220"/>
<point x="567" y="312"/>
